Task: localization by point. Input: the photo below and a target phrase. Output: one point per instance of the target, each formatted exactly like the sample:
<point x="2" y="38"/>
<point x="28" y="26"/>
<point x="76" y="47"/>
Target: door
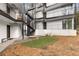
<point x="8" y="31"/>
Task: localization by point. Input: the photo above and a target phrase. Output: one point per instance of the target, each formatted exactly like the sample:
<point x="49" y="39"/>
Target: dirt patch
<point x="68" y="46"/>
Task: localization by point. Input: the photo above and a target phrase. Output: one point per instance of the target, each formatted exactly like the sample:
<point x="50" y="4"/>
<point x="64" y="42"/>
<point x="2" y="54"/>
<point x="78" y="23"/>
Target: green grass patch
<point x="40" y="42"/>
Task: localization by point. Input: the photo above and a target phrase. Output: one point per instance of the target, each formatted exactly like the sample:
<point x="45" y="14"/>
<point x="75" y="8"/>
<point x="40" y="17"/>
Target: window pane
<point x="70" y="24"/>
<point x="44" y="25"/>
<point x="67" y="24"/>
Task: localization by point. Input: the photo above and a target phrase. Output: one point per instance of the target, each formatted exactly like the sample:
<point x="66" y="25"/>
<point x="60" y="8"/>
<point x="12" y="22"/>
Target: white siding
<point x="56" y="32"/>
<point x="39" y="25"/>
<point x="39" y="9"/>
<point x="54" y="25"/>
<point x="38" y="4"/>
<point x="3" y="30"/>
<point x="5" y="20"/>
<point x="3" y="6"/>
<point x="61" y="11"/>
<point x="55" y="28"/>
<point x="15" y="31"/>
<point x="13" y="14"/>
<point x="39" y="15"/>
<point x="3" y="26"/>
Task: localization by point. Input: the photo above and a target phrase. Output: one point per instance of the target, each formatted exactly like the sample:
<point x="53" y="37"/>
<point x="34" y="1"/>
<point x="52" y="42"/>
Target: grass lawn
<point x="41" y="42"/>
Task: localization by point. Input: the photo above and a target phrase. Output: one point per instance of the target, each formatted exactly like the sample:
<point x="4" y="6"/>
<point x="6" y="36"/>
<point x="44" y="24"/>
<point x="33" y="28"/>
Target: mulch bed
<point x="68" y="46"/>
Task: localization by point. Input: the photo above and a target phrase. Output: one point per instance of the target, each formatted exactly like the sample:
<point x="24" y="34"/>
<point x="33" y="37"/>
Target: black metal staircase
<point x="30" y="29"/>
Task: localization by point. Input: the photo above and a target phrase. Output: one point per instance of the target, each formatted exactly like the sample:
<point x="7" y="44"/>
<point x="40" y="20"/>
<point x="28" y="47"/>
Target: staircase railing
<point x="33" y="30"/>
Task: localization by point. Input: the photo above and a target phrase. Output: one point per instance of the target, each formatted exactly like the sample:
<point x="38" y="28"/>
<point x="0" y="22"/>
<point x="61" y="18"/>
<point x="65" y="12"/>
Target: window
<point x="67" y="10"/>
<point x="67" y="24"/>
<point x="44" y="25"/>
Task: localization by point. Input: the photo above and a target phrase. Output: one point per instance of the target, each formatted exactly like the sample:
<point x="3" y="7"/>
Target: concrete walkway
<point x="6" y="44"/>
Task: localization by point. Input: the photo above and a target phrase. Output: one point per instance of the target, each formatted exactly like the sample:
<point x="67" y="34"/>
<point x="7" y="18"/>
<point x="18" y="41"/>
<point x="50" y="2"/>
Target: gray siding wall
<point x="54" y="25"/>
<point x="3" y="7"/>
<point x="39" y="26"/>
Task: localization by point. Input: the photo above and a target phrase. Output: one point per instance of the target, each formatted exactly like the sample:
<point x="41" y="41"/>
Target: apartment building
<point x="12" y="21"/>
<point x="55" y="18"/>
<point x="9" y="28"/>
<point x="20" y="19"/>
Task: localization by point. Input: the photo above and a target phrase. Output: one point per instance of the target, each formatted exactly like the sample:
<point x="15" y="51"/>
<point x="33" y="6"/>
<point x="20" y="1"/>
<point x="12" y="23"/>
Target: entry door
<point x="8" y="31"/>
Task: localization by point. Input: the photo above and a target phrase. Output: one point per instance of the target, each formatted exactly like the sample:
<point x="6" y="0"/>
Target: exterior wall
<point x="16" y="11"/>
<point x="39" y="9"/>
<point x="55" y="28"/>
<point x="3" y="6"/>
<point x="38" y="4"/>
<point x="56" y="32"/>
<point x="39" y="25"/>
<point x="15" y="31"/>
<point x="3" y="30"/>
<point x="39" y="15"/>
<point x="54" y="25"/>
<point x="30" y="6"/>
<point x="3" y="26"/>
<point x="58" y="24"/>
<point x="13" y="14"/>
<point x="61" y="11"/>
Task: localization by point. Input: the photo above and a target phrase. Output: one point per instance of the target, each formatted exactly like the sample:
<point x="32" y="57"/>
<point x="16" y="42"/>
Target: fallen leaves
<point x="68" y="46"/>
